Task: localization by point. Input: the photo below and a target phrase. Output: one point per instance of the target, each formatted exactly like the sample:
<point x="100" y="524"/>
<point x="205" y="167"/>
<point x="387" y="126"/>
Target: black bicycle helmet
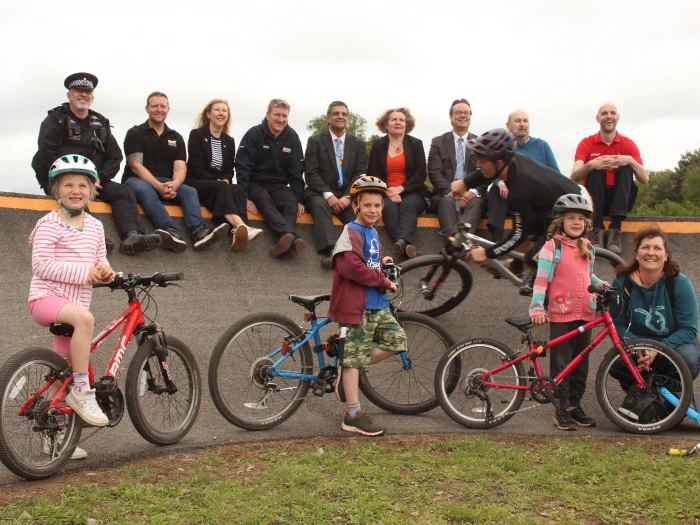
<point x="368" y="183"/>
<point x="495" y="144"/>
<point x="572" y="202"/>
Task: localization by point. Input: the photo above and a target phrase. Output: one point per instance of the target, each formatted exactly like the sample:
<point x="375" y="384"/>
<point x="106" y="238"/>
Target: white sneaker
<point x="240" y="237"/>
<point x="78" y="453"/>
<point x="253" y="233"/>
<point x="85" y="405"/>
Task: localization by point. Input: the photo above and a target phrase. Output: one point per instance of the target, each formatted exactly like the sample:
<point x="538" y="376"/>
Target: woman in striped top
<point x="210" y="171"/>
<point x="68" y="257"/>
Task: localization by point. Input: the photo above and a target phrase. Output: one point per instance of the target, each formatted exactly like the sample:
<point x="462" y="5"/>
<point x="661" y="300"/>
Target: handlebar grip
<point x="161" y="278"/>
<point x="591" y="288"/>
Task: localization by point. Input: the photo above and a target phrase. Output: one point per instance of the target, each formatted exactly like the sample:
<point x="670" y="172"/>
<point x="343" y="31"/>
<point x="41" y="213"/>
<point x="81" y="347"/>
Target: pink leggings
<point x="45" y="311"/>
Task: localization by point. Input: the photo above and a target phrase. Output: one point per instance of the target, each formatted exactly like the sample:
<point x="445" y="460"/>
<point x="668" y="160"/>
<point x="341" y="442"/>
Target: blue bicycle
<point x="262" y="367"/>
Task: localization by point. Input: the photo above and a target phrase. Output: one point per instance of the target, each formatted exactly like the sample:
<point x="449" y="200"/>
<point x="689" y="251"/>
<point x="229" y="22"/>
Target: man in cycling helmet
<point x="533" y="189"/>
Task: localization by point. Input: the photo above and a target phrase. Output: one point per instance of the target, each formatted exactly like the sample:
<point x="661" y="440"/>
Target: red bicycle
<point x="491" y="380"/>
<point x="39" y="431"/>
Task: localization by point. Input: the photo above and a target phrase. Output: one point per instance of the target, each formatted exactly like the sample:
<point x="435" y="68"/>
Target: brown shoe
<point x="412" y="251"/>
<point x="299" y="244"/>
<point x="400" y="247"/>
<point x="283" y="245"/>
<point x="597" y="237"/>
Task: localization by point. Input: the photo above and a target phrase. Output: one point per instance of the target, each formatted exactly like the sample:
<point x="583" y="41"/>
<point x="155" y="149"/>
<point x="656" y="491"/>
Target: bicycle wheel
<point x="238" y="372"/>
<point x="160" y="417"/>
<point x="614" y="383"/>
<point x="28" y="446"/>
<point x="468" y="403"/>
<point x="605" y="264"/>
<point x="409" y="391"/>
<point x="448" y="283"/>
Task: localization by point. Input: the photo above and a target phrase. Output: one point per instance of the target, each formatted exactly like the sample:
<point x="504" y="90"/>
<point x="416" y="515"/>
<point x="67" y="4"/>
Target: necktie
<point x="339" y="161"/>
<point x="459" y="174"/>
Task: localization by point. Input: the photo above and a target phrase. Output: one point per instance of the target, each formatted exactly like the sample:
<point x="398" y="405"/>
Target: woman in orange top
<point x="399" y="160"/>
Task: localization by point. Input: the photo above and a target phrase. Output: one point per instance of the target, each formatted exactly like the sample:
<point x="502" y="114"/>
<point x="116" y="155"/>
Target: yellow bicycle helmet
<point x="368" y="183"/>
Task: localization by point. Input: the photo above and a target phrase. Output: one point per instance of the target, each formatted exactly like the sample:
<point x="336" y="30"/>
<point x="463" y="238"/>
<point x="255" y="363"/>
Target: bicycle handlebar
<point x="126" y="282"/>
<point x="392" y="272"/>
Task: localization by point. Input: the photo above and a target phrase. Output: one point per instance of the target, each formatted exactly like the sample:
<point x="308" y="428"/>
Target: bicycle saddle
<point x="61" y="329"/>
<point x="309" y="301"/>
<point x="521" y="323"/>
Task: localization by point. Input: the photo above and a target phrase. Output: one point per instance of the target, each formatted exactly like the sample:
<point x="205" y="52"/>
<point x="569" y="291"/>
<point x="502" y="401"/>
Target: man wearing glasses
<point x="74" y="129"/>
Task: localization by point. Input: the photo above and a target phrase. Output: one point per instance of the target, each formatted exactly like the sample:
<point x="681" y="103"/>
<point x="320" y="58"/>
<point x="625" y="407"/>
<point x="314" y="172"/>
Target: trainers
<point x="170" y="240"/>
<point x="361" y="424"/>
<point x="240" y="237"/>
<point x="283" y="245"/>
<point x="338" y="386"/>
<point x="597" y="237"/>
<point x="298" y="245"/>
<point x="614" y="241"/>
<point x="327" y="262"/>
<point x="253" y="233"/>
<point x="581" y="418"/>
<point x="206" y="237"/>
<point x="412" y="251"/>
<point x="109" y="245"/>
<point x="85" y="405"/>
<point x="563" y="421"/>
<point x="135" y="242"/>
<point x="78" y="453"/>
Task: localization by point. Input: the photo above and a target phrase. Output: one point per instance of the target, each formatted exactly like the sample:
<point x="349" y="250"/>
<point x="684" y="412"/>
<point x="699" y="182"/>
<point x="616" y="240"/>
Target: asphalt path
<point x="222" y="286"/>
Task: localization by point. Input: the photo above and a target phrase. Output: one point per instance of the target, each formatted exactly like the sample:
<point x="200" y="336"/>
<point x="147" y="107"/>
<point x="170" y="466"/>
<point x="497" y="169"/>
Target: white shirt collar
<point x="457" y="137"/>
<point x="342" y="138"/>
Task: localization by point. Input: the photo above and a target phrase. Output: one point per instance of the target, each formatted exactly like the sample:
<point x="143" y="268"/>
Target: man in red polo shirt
<point x="608" y="163"/>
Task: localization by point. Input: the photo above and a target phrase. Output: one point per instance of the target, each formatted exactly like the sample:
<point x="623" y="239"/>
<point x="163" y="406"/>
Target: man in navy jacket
<point x="270" y="168"/>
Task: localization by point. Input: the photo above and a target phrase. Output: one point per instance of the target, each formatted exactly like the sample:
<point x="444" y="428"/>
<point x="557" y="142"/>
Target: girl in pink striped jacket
<point x="68" y="257"/>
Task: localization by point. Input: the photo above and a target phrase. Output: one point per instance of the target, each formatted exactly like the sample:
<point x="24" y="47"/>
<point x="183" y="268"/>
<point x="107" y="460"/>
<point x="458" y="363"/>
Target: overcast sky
<point x="557" y="60"/>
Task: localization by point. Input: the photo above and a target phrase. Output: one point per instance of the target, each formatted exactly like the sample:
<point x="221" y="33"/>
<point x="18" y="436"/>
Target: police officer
<point x="73" y="128"/>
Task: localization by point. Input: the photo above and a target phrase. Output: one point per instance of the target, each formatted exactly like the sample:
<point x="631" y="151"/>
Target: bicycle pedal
<point x="319" y="388"/>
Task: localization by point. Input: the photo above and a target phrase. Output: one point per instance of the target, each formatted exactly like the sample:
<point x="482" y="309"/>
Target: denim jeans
<point x="148" y="197"/>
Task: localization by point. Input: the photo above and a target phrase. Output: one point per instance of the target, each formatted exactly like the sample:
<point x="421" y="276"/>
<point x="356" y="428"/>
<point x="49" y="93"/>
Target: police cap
<point x="84" y="81"/>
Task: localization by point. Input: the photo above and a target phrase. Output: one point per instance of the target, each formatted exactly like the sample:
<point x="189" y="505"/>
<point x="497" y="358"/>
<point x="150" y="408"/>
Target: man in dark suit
<point x="333" y="160"/>
<point x="449" y="159"/>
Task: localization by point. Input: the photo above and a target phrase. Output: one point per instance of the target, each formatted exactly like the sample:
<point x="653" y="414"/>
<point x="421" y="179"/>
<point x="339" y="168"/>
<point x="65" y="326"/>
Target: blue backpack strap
<point x="556" y="243"/>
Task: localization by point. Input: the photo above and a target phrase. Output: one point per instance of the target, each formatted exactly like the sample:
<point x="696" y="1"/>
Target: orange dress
<point x="395" y="170"/>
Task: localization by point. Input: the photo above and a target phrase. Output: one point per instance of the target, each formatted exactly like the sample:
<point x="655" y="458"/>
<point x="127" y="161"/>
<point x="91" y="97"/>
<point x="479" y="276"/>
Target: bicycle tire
<point x="606" y="271"/>
<point x="22" y="448"/>
<point x="475" y="357"/>
<point x="160" y="417"/>
<point x="672" y="373"/>
<point x="390" y="387"/>
<point x="237" y="362"/>
<point x="449" y="294"/>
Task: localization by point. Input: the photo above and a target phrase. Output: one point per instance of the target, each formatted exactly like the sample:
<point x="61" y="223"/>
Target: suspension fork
<point x="160" y="346"/>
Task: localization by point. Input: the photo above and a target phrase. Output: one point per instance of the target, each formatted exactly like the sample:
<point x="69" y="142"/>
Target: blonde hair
<point x="278" y="103"/>
<point x="57" y="181"/>
<point x="557" y="227"/>
<point x="384" y="119"/>
<point x="202" y="120"/>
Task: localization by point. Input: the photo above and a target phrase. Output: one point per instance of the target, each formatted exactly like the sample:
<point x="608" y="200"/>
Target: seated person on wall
<point x="333" y="160"/>
<point x="210" y="172"/>
<point x="608" y="163"/>
<point x="450" y="159"/>
<point x="155" y="171"/>
<point x="270" y="168"/>
<point x="398" y="159"/>
<point x="658" y="303"/>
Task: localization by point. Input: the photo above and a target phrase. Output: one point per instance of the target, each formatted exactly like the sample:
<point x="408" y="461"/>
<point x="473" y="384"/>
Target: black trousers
<point x="449" y="214"/>
<point x="278" y="204"/>
<point x="615" y="203"/>
<point x="125" y="211"/>
<point x="322" y="213"/>
<point x="221" y="198"/>
<point x="570" y="390"/>
<point x="401" y="218"/>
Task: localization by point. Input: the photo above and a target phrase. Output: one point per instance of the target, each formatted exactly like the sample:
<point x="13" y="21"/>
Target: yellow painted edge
<point x="39" y="204"/>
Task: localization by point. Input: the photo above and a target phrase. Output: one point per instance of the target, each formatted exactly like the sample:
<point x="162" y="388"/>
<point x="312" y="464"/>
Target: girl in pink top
<point x="68" y="257"/>
<point x="571" y="305"/>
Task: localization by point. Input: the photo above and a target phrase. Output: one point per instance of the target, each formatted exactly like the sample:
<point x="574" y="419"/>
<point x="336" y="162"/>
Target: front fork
<point x="157" y="335"/>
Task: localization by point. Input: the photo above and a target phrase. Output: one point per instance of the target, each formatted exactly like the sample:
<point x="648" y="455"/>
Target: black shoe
<point x="614" y="241"/>
<point x="400" y="247"/>
<point x="581" y="418"/>
<point x="563" y="421"/>
<point x="326" y="262"/>
<point x="109" y="245"/>
<point x="338" y="386"/>
<point x="283" y="245"/>
<point x="170" y="240"/>
<point x="361" y="424"/>
<point x="597" y="237"/>
<point x="628" y="408"/>
<point x="298" y="245"/>
<point x="206" y="237"/>
<point x="135" y="242"/>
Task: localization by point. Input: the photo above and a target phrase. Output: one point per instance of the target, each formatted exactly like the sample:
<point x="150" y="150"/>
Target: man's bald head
<point x="519" y="125"/>
<point x="607" y="117"/>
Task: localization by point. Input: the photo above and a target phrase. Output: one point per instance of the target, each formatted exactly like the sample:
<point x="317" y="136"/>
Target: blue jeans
<point x="691" y="355"/>
<point x="148" y="197"/>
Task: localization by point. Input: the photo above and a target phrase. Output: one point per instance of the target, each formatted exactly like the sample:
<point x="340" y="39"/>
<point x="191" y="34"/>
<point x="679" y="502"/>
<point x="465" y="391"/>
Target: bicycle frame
<point x="497" y="265"/>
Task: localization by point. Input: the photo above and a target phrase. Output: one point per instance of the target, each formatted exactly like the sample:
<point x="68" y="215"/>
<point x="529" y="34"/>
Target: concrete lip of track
<point x="222" y="286"/>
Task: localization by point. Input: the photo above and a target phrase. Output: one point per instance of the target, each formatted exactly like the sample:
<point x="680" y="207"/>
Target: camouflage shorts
<point x="379" y="329"/>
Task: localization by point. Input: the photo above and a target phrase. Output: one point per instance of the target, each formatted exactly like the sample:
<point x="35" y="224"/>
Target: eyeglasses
<point x="462" y="113"/>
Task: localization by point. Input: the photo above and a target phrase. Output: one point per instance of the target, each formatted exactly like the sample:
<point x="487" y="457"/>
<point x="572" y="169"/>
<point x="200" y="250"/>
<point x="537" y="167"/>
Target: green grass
<point x="397" y="480"/>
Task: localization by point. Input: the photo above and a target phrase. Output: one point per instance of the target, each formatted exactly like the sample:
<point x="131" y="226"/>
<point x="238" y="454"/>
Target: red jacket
<point x="351" y="277"/>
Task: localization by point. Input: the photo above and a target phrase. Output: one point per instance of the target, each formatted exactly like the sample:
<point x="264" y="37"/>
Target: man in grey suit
<point x="333" y="160"/>
<point x="449" y="159"/>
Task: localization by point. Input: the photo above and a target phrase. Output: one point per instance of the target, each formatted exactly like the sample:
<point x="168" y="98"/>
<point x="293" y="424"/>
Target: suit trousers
<point x="449" y="214"/>
<point x="401" y="218"/>
<point x="125" y="210"/>
<point x="570" y="390"/>
<point x="615" y="204"/>
<point x="278" y="204"/>
<point x="221" y="198"/>
<point x="322" y="213"/>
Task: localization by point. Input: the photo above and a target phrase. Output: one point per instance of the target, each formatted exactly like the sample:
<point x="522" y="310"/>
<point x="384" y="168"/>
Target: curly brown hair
<point x="384" y="119"/>
<point x="671" y="268"/>
<point x="202" y="119"/>
<point x="582" y="244"/>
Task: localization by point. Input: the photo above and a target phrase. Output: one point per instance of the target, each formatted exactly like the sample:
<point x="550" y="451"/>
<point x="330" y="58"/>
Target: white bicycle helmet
<point x="72" y="164"/>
